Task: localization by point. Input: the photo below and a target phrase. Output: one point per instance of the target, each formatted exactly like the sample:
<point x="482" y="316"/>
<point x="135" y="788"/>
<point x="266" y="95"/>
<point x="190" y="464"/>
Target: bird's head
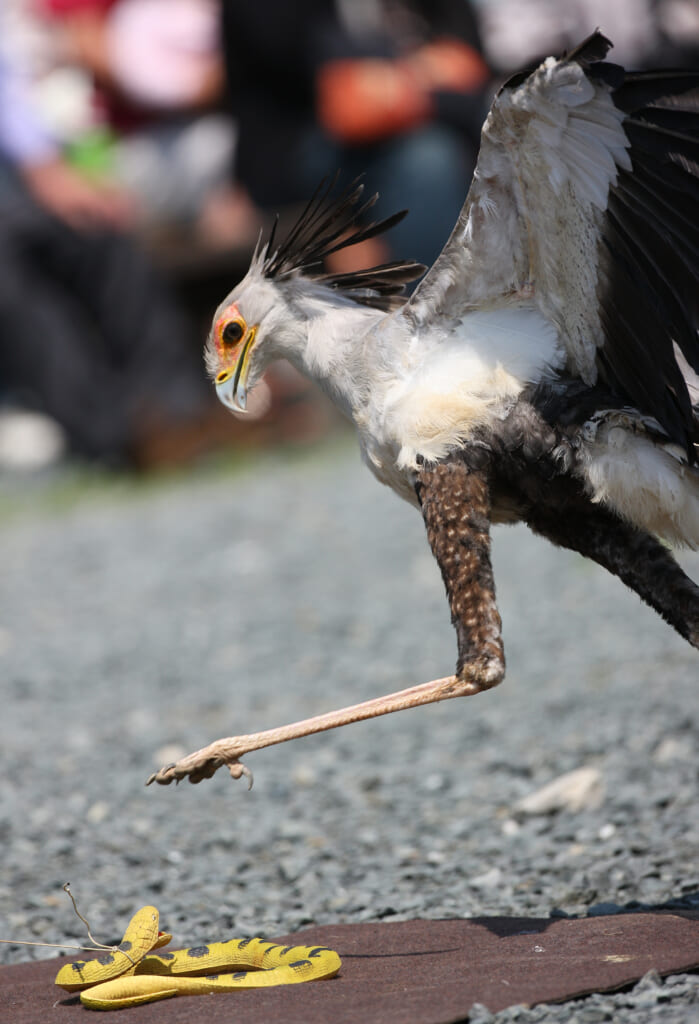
<point x="267" y="316"/>
<point x="252" y="327"/>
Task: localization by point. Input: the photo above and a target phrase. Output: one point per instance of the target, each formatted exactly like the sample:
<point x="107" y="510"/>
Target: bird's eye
<point x="233" y="332"/>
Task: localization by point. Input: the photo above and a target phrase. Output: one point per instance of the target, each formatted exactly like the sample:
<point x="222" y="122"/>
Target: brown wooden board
<point x="412" y="972"/>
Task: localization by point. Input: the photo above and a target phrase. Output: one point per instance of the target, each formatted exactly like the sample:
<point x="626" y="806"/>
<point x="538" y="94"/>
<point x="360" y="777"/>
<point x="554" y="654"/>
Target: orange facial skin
<point x="228" y="353"/>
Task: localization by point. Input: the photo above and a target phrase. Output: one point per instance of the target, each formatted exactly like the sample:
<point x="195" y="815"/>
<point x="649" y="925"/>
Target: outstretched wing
<point x="585" y="201"/>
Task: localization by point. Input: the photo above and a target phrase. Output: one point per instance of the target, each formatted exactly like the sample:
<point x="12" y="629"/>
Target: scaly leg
<point x="455" y="499"/>
<point x="456" y="505"/>
<point x="636" y="557"/>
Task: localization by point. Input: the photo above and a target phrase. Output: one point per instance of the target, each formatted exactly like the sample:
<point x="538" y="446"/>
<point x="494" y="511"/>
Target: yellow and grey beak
<point x="231" y="383"/>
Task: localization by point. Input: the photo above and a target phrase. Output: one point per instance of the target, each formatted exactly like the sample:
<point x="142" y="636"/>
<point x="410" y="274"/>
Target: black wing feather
<point x="589" y="53"/>
<point x="647" y="89"/>
<point x="660" y="263"/>
<point x="653" y="379"/>
<point x="591" y="50"/>
<point x="649" y="257"/>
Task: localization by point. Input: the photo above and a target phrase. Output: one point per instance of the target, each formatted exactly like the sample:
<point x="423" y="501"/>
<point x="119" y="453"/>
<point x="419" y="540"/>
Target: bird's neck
<point x="333" y="352"/>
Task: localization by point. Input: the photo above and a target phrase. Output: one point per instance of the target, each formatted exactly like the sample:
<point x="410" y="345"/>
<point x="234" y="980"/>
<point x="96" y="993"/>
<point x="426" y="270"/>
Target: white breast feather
<point x="444" y="390"/>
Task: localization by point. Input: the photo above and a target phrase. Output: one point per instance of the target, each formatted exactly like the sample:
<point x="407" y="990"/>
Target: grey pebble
<point x="138" y="619"/>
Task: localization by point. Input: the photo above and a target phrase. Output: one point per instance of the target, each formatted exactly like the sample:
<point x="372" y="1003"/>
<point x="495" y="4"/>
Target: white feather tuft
<point x="645" y="483"/>
<point x="448" y="390"/>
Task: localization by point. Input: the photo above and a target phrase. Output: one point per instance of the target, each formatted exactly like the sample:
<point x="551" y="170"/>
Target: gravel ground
<point x="141" y="622"/>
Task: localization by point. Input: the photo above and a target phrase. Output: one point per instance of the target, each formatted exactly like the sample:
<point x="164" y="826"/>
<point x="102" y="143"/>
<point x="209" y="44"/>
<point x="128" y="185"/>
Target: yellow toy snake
<point x="127" y="975"/>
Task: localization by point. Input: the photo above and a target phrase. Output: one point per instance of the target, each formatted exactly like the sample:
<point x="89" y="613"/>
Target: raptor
<point x="544" y="370"/>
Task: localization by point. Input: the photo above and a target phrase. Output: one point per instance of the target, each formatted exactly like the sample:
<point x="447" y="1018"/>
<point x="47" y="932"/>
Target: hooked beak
<point x="231" y="383"/>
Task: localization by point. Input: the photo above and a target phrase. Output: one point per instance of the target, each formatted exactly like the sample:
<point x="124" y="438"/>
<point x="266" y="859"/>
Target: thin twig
<point x="98" y="947"/>
<point x="56" y="945"/>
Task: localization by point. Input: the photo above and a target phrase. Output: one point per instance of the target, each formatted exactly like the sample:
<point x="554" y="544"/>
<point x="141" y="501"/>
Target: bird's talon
<point x="237" y="770"/>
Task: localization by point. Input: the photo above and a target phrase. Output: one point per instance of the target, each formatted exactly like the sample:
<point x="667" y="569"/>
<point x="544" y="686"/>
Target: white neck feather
<point x="331" y="349"/>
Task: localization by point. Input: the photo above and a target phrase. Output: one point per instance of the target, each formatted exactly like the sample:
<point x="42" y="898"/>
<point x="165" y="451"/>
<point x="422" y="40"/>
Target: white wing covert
<point x="584" y="201"/>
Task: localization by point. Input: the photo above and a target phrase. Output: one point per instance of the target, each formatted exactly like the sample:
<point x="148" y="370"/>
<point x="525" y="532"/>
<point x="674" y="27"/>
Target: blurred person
<point x="89" y="333"/>
<point x="646" y="33"/>
<point x="156" y="73"/>
<point x="390" y="88"/>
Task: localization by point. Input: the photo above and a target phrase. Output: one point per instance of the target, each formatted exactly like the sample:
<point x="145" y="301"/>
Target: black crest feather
<point x="331" y="221"/>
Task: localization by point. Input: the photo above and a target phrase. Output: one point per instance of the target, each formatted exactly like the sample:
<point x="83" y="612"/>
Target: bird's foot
<point x="202" y="764"/>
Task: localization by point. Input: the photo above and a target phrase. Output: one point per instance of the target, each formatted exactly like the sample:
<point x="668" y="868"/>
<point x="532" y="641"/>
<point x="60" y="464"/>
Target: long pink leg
<point x="455" y="504"/>
<point x="203" y="763"/>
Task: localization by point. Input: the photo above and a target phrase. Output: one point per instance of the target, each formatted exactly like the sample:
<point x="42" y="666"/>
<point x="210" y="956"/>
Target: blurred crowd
<point x="135" y="130"/>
